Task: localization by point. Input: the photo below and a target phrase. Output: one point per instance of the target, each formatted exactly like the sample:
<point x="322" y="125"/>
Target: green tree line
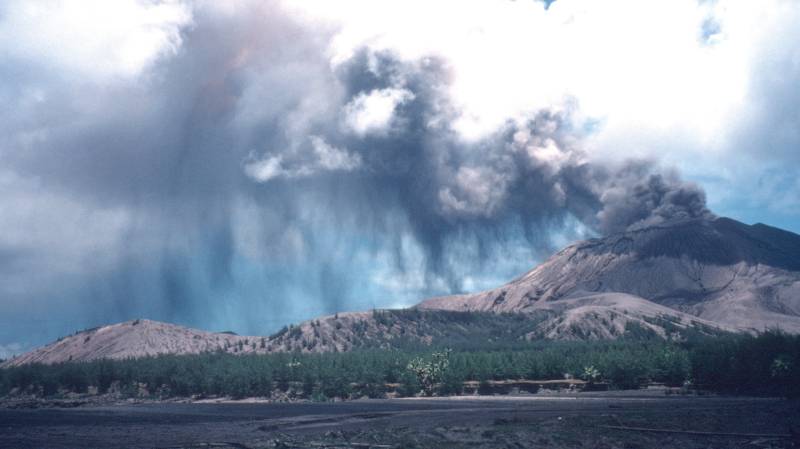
<point x="767" y="364"/>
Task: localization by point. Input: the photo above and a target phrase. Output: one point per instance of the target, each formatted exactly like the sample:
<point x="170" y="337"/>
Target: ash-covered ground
<point x="583" y="420"/>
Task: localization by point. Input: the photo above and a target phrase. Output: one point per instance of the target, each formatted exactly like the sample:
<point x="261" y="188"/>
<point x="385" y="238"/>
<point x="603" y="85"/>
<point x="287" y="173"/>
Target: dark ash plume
<point x="636" y="197"/>
<point x="253" y="185"/>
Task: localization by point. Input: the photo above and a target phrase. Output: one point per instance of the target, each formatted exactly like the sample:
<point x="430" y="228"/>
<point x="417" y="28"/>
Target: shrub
<point x="409" y="385"/>
<point x="430" y="371"/>
<point x="451" y="384"/>
<point x="590" y="374"/>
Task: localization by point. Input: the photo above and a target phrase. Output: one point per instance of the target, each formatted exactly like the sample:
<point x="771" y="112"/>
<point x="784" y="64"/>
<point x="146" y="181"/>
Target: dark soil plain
<point x="544" y="420"/>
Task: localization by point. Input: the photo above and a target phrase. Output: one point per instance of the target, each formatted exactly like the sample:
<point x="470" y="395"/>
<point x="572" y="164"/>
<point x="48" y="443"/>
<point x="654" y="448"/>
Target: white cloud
<point x="693" y="84"/>
<point x="373" y="112"/>
<point x="271" y="167"/>
<point x="475" y="191"/>
<point x="94" y="38"/>
<point x="323" y="157"/>
<point x="630" y="63"/>
<point x="332" y="158"/>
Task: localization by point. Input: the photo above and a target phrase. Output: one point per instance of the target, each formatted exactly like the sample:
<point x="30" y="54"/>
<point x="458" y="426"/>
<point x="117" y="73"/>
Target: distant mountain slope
<point x="399" y="328"/>
<point x="611" y="316"/>
<point x="591" y="317"/>
<point x="721" y="270"/>
<point x="133" y="339"/>
<point x="703" y="276"/>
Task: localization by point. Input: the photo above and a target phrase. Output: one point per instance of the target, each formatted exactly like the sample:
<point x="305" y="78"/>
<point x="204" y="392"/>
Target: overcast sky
<point x="244" y="164"/>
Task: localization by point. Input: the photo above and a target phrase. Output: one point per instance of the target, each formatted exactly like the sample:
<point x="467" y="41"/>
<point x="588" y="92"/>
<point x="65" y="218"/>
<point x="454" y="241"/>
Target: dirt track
<point x="578" y="420"/>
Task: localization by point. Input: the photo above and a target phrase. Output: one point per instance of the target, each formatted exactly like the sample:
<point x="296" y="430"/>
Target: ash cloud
<point x="246" y="183"/>
<point x="636" y="197"/>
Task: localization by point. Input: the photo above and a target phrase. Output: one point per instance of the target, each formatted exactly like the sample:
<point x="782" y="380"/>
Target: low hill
<point x="610" y="316"/>
<point x="133" y="339"/>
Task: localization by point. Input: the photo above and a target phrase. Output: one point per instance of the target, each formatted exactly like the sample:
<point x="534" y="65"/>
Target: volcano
<point x="693" y="276"/>
<point x="738" y="276"/>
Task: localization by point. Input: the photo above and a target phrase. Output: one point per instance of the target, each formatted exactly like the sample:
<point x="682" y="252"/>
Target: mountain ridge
<point x="692" y="276"/>
<point x="740" y="276"/>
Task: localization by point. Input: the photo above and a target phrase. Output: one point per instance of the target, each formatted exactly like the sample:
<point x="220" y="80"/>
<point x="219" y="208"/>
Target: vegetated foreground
<point x="767" y="364"/>
<point x="295" y="399"/>
<point x="587" y="420"/>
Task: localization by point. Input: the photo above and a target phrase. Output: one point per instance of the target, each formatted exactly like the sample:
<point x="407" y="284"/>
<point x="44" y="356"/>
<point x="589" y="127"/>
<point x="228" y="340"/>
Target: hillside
<point x="720" y="270"/>
<point x="133" y="339"/>
<point x="593" y="317"/>
<point x="703" y="276"/>
<point x="580" y="319"/>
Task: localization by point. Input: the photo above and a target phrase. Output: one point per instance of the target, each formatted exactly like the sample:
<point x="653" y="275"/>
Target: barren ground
<point x="534" y="421"/>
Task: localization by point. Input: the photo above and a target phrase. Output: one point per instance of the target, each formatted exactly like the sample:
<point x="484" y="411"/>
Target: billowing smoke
<point x="635" y="197"/>
<point x="245" y="181"/>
